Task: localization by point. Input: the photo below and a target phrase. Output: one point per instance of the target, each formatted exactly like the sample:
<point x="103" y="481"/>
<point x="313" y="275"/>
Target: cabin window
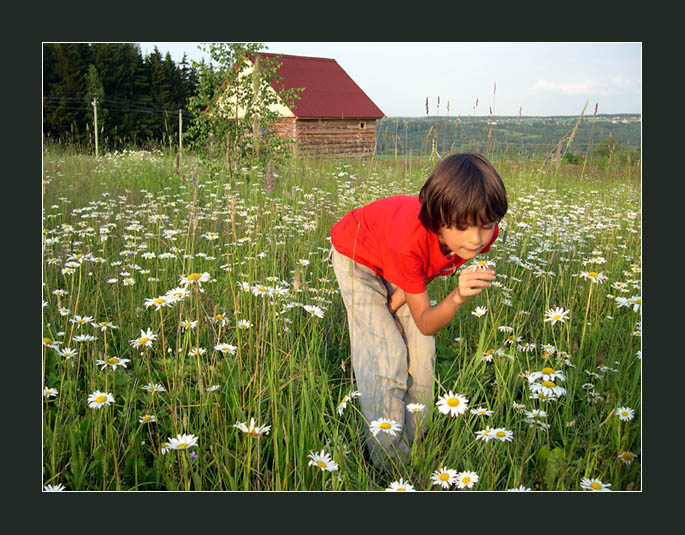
<point x="362" y="125"/>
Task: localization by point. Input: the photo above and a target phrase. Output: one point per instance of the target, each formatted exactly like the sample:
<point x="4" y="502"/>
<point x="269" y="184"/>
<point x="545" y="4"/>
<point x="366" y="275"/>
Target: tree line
<point x="137" y="96"/>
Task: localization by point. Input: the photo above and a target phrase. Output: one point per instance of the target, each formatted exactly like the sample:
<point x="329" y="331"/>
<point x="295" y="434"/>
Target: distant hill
<point x="521" y="136"/>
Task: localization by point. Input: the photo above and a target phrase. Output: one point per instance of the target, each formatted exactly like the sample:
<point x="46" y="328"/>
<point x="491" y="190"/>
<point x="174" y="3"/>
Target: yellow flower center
<point x="547" y="371"/>
<point x="219" y="317"/>
<point x="47" y="341"/>
<point x="444" y="476"/>
<point x="624" y="413"/>
<point x="146" y="418"/>
<point x="385" y="425"/>
<point x="321" y="464"/>
<point x="101" y="399"/>
<point x="593" y="274"/>
<point x="501" y="434"/>
<point x="159" y="300"/>
<point x="194" y="276"/>
<point x="112" y="360"/>
<point x="401" y="489"/>
<point x="489" y="352"/>
<point x="556" y="317"/>
<point x="143" y="340"/>
<point x="466" y="480"/>
<point x="548" y="384"/>
<point x="182" y="446"/>
<point x="595" y="485"/>
<point x="453" y="402"/>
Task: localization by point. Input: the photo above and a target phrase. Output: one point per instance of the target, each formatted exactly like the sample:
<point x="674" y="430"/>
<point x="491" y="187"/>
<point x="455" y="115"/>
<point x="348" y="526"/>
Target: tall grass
<point x="130" y="217"/>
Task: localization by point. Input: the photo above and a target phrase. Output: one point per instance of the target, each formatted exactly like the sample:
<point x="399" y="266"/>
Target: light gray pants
<point x="391" y="370"/>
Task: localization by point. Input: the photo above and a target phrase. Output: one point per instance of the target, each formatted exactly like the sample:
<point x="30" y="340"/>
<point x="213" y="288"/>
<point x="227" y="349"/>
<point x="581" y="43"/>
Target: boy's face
<point x="466" y="241"/>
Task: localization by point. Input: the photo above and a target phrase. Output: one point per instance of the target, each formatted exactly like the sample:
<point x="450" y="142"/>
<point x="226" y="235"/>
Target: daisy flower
<point x="444" y="477"/>
<point x="313" y="310"/>
<point x="400" y="486"/>
<point x="546" y="374"/>
<point x="226" y="348"/>
<point x="452" y="404"/>
<point x="594" y="485"/>
<point x="158" y="302"/>
<point x="416" y="407"/>
<point x="50" y="392"/>
<point x="153" y="388"/>
<point x="145" y="339"/>
<point x="114" y="362"/>
<point x="188" y="324"/>
<point x="197" y="351"/>
<point x="485" y="434"/>
<point x="53" y="488"/>
<point x="253" y="430"/>
<point x="81" y="320"/>
<point x="345" y="400"/>
<point x="627" y="457"/>
<point x="194" y="278"/>
<point x="383" y="424"/>
<point x="548" y="388"/>
<point x="556" y="314"/>
<point x="244" y="324"/>
<point x="625" y="414"/>
<point x="520" y="488"/>
<point x="103" y="325"/>
<point x="213" y="388"/>
<point x="466" y="479"/>
<point x="98" y="399"/>
<point x="147" y="419"/>
<point x="67" y="353"/>
<point x="180" y="442"/>
<point x="481" y="411"/>
<point x="480" y="311"/>
<point x="502" y="434"/>
<point x="593" y="276"/>
<point x="323" y="461"/>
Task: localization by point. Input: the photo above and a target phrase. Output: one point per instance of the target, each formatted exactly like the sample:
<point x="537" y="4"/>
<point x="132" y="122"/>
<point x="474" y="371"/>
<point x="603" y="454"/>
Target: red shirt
<point x="388" y="237"/>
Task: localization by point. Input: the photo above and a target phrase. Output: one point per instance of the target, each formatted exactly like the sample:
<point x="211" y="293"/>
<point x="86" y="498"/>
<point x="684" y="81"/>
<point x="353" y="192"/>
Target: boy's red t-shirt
<point x="388" y="237"/>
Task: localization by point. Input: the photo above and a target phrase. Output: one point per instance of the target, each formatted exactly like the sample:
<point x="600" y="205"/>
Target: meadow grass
<point x="218" y="291"/>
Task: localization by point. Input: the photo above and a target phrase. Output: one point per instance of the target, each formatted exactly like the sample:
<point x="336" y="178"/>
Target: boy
<point x="383" y="255"/>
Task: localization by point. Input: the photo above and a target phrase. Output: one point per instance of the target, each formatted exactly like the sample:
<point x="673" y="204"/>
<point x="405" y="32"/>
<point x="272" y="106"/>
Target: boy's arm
<point x="396" y="300"/>
<point x="430" y="320"/>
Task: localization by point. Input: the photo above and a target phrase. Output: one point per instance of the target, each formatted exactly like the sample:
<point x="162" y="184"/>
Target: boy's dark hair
<point x="463" y="189"/>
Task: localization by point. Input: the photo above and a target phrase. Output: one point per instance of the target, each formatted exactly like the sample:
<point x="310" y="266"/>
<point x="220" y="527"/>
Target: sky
<point x="477" y="79"/>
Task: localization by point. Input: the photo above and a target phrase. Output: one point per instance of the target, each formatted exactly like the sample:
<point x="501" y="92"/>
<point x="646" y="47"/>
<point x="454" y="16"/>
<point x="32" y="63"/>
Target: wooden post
<point x="95" y="122"/>
<point x="180" y="132"/>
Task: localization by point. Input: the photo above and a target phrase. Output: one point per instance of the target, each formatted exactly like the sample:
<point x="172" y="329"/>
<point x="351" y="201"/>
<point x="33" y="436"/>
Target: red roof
<point x="329" y="92"/>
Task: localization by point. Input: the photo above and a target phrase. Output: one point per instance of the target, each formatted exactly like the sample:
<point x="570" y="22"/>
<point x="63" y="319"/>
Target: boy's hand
<point x="471" y="282"/>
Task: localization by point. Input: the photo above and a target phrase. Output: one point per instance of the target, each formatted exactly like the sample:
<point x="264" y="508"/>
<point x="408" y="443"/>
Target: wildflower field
<point x="194" y="337"/>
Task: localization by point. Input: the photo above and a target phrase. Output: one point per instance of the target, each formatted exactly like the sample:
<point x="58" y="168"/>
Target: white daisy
<point x="444" y="477"/>
<point x="520" y="488"/>
<point x="481" y="411"/>
<point x="323" y="461"/>
<point x="400" y="486"/>
<point x="53" y="488"/>
<point x="145" y="339"/>
<point x="480" y="311"/>
<point x="345" y="400"/>
<point x="147" y="419"/>
<point x="557" y="314"/>
<point x="113" y="362"/>
<point x="594" y="485"/>
<point x="466" y="479"/>
<point x="502" y="434"/>
<point x="226" y="348"/>
<point x="625" y="414"/>
<point x="153" y="388"/>
<point x="99" y="399"/>
<point x="383" y="424"/>
<point x="180" y="442"/>
<point x="416" y="407"/>
<point x="252" y="430"/>
<point x="50" y="392"/>
<point x="452" y="404"/>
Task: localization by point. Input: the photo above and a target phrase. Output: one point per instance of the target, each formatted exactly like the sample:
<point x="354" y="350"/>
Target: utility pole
<point x="95" y="121"/>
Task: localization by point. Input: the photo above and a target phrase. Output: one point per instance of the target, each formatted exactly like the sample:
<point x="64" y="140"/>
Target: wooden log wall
<point x="336" y="137"/>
